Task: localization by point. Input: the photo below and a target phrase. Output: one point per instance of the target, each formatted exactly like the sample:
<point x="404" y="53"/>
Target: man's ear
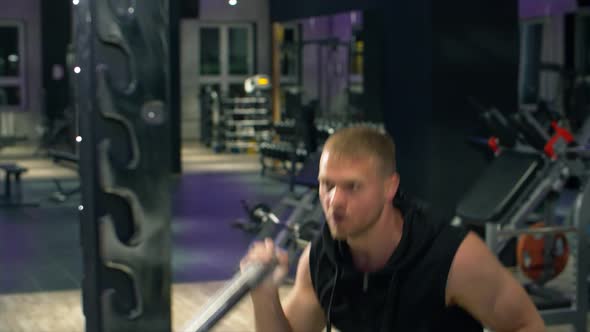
<point x="392" y="186"/>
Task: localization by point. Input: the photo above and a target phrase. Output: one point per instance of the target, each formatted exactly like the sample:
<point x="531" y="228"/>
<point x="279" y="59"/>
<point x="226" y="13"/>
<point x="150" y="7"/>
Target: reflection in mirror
<point x="322" y="64"/>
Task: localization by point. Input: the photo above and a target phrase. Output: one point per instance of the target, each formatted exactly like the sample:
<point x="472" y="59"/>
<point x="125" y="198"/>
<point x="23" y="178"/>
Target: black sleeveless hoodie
<point x="408" y="294"/>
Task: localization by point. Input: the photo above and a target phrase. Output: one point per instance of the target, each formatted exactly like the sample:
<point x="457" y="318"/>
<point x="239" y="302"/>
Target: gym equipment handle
<point x="539" y="230"/>
<point x="230" y="295"/>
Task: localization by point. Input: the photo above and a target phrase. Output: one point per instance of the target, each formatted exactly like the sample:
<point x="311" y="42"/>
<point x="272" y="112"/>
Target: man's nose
<point x="337" y="198"/>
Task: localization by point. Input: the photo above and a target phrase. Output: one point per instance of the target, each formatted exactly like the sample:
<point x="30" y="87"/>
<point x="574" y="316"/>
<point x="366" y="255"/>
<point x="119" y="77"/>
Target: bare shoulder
<point x="470" y="254"/>
<point x="473" y="262"/>
<point x="480" y="284"/>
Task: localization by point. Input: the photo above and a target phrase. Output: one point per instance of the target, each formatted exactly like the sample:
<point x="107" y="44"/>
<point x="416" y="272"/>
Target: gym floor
<point x="39" y="246"/>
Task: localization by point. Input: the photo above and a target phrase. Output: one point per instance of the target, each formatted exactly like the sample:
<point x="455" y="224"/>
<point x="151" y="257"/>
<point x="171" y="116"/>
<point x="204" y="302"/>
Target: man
<point x="381" y="264"/>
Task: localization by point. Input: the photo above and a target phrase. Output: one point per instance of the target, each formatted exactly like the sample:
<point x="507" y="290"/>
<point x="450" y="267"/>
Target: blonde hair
<point x="362" y="141"/>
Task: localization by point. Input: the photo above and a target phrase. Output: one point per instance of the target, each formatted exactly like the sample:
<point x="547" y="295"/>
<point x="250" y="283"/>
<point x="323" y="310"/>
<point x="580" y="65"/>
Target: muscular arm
<point x="479" y="284"/>
<point x="300" y="312"/>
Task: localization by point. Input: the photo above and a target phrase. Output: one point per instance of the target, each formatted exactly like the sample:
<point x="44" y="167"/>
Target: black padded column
<point x="123" y="93"/>
<point x="175" y="109"/>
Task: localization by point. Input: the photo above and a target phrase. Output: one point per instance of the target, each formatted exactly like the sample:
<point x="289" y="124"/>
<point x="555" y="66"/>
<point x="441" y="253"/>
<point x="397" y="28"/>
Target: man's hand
<point x="263" y="253"/>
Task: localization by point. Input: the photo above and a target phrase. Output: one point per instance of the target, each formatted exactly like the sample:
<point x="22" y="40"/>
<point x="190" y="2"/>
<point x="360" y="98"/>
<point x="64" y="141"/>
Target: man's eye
<point x="354" y="186"/>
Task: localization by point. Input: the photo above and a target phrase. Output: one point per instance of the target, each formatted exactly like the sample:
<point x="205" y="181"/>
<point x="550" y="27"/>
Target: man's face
<point x="353" y="192"/>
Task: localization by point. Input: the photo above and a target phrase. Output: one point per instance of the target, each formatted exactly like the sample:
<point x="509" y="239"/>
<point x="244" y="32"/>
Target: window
<point x="226" y="56"/>
<point x="238" y="51"/>
<point x="210" y="51"/>
<point x="290" y="54"/>
<point x="531" y="46"/>
<point x="12" y="87"/>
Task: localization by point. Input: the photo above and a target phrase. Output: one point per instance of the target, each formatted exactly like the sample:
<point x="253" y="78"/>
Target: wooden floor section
<point x="61" y="311"/>
<point x="195" y="158"/>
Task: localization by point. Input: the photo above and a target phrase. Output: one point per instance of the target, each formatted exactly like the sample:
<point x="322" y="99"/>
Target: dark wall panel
<point x="188" y="8"/>
<point x="56" y="35"/>
<point x="435" y="71"/>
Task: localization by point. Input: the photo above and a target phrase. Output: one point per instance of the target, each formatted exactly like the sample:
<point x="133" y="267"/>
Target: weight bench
<point x="506" y="198"/>
<point x="71" y="161"/>
<point x="510" y="176"/>
<point x="12" y="195"/>
<point x="61" y="156"/>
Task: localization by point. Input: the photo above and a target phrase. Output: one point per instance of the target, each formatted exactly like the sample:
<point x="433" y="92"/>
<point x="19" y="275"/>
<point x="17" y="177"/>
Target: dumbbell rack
<point x="245" y="121"/>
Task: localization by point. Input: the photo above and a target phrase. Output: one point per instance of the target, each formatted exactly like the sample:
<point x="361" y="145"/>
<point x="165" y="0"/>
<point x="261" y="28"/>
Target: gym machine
<point x="69" y="160"/>
<point x="537" y="174"/>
